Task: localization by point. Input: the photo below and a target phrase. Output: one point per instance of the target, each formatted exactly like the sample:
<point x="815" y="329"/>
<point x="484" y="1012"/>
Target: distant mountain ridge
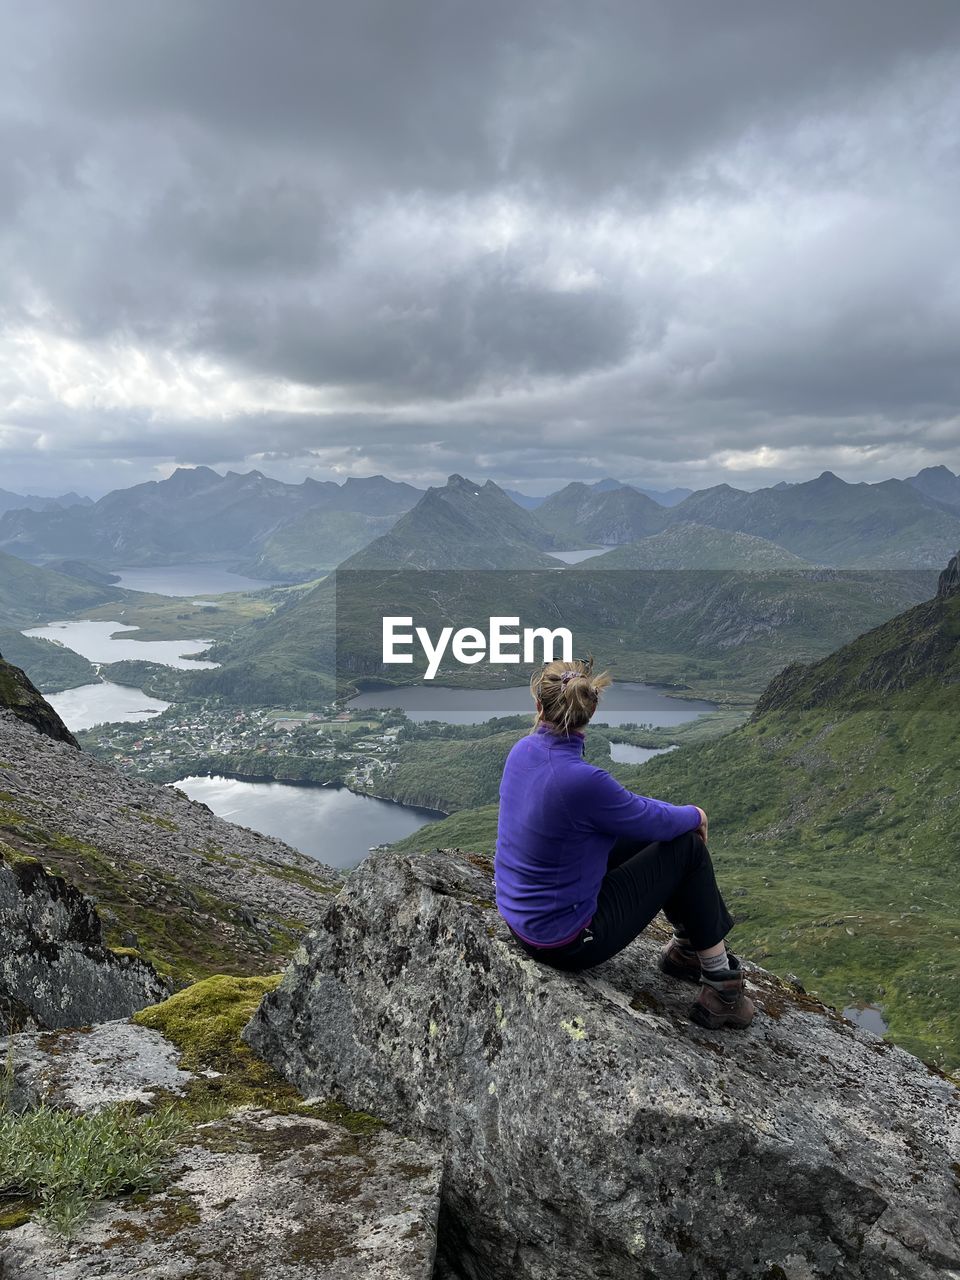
<point x="275" y="530"/>
<point x="31" y="502"/>
<point x="827" y="521"/>
<point x="196" y="514"/>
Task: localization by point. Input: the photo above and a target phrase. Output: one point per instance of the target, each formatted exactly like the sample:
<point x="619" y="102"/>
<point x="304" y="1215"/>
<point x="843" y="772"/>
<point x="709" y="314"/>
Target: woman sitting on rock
<point x="583" y="865"/>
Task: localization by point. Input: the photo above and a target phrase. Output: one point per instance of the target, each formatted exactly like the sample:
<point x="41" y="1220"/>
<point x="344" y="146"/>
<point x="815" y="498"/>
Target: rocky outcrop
<point x="18" y="695"/>
<point x="194" y="893"/>
<point x="592" y="1132"/>
<point x="54" y="968"/>
<point x="87" y="1068"/>
<point x="284" y="1197"/>
<point x="949" y="581"/>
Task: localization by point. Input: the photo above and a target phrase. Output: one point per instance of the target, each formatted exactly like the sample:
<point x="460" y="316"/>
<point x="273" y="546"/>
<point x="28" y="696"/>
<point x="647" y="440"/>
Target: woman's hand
<point x="702" y="829"/>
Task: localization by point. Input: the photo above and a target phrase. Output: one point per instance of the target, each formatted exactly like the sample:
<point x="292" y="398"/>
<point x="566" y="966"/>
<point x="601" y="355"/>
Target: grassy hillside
<point x="688" y="546"/>
<point x="30" y="595"/>
<point x="833" y="816"/>
<point x="50" y="666"/>
<point x="315" y="542"/>
<point x="461" y="525"/>
<point x="581" y="515"/>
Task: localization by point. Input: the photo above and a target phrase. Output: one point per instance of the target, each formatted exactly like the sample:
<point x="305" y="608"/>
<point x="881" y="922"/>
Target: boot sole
<point x="715" y="1021"/>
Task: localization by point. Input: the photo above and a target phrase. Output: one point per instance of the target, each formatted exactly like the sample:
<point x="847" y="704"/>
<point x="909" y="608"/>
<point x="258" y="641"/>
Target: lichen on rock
<point x="590" y="1129"/>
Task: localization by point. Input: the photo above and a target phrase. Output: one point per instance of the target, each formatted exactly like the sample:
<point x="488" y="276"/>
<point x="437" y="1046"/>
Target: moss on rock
<point x="205" y="1020"/>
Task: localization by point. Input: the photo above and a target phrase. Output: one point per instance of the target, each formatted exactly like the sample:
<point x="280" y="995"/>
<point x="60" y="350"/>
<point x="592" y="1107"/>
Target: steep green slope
<point x="316" y="542"/>
<point x="461" y="525"/>
<point x="30" y="595"/>
<point x="583" y="515"/>
<point x="697" y="546"/>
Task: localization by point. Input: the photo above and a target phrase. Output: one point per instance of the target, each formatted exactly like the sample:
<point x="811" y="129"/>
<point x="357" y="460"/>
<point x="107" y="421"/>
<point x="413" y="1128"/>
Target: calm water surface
<point x="623" y="703"/>
<point x="95" y="642"/>
<point x="626" y="753"/>
<point x="868" y="1016"/>
<point x="577" y="557"/>
<point x="329" y="823"/>
<point x="186" y="580"/>
<point x="92" y="704"/>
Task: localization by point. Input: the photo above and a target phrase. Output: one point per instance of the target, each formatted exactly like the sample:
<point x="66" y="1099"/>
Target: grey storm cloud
<point x="539" y="241"/>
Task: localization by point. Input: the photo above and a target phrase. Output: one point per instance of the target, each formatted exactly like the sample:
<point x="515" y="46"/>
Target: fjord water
<point x="627" y="753"/>
<point x="332" y="824"/>
<point x="106" y="703"/>
<point x="96" y="642"/>
<point x="186" y="580"/>
<point x="625" y="702"/>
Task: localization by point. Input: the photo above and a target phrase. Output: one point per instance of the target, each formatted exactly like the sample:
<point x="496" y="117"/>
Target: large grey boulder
<point x="591" y="1131"/>
<point x="55" y="970"/>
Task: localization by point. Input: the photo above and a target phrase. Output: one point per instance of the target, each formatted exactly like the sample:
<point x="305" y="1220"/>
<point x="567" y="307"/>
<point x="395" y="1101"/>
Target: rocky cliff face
<point x="949" y="581"/>
<point x="54" y="968"/>
<point x="19" y="696"/>
<point x="592" y="1132"/>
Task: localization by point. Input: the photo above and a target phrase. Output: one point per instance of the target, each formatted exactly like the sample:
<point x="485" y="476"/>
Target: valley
<point x="266" y="702"/>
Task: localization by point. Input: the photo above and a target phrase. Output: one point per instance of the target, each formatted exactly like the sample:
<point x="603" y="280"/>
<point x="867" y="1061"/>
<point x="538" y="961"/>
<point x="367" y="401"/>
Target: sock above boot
<point x="715" y="966"/>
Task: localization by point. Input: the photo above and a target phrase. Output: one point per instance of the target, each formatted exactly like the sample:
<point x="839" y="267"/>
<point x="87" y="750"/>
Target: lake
<point x="625" y="702"/>
<point x="626" y="753"/>
<point x="186" y="580"/>
<point x="577" y="557"/>
<point x="95" y="642"/>
<point x="868" y="1016"/>
<point x="104" y="703"/>
<point x="329" y="823"/>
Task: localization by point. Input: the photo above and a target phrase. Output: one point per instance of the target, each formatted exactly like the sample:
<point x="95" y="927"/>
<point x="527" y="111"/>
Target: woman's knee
<point x="692" y="846"/>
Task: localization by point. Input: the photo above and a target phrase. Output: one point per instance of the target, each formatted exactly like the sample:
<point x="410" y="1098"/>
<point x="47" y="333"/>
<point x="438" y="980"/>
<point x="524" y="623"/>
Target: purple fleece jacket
<point x="559" y="818"/>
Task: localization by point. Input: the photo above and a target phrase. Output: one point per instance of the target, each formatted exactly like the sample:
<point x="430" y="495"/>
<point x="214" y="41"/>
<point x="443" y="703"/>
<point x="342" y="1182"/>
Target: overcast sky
<point x="676" y="242"/>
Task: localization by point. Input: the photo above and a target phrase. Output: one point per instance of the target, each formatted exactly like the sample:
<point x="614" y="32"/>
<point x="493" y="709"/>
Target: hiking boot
<point x="679" y="963"/>
<point x="721" y="1001"/>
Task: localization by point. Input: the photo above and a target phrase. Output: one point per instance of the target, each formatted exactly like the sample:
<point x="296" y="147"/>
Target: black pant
<point x="675" y="876"/>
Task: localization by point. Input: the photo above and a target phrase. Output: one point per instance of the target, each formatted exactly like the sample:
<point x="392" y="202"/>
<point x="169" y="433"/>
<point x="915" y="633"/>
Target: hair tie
<point x="569" y="675"/>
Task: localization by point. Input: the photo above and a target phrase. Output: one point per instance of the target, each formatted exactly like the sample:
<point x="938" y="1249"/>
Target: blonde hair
<point x="568" y="693"/>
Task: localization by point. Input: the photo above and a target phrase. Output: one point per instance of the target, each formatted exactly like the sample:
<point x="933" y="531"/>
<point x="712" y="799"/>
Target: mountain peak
<point x="185" y="478"/>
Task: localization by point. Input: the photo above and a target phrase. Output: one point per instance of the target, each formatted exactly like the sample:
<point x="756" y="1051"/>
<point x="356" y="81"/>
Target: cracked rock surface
<point x="590" y="1130"/>
<point x="258" y="1195"/>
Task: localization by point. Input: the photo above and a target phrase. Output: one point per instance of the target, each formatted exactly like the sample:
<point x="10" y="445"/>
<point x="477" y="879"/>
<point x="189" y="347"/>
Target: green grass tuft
<point x="64" y="1161"/>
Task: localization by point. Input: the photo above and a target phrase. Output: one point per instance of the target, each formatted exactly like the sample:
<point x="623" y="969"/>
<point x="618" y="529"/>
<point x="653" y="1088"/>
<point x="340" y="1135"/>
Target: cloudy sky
<point x="535" y="240"/>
